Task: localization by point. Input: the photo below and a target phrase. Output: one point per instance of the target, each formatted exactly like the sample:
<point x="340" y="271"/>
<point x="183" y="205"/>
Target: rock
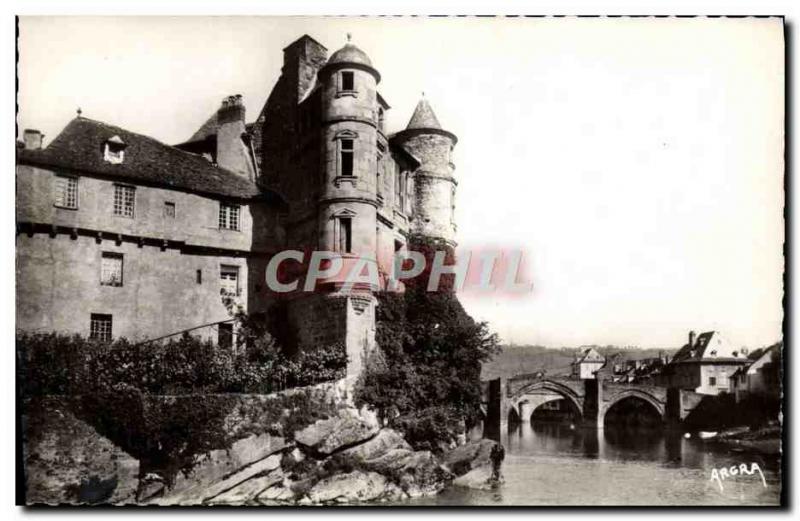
<point x="248" y="490"/>
<point x="327" y="436"/>
<point x="418" y="473"/>
<point x="218" y="464"/>
<point x="422" y="475"/>
<point x="355" y="486"/>
<point x="67" y="461"/>
<point x="462" y="459"/>
<point x="258" y="469"/>
<point x="202" y="493"/>
<point x="297" y="455"/>
<point x="386" y="440"/>
<point x="276" y="494"/>
<point x="150" y="486"/>
<point x="477" y="478"/>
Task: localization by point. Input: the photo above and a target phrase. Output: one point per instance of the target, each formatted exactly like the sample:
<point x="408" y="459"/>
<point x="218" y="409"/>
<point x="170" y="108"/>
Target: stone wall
<point x="321" y="320"/>
<point x="171" y="266"/>
<point x="67" y="461"/>
<point x="58" y="282"/>
<point x="196" y="221"/>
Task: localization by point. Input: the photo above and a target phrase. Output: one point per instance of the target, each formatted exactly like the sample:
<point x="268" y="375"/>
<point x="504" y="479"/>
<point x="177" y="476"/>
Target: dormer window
<point x="114" y="151"/>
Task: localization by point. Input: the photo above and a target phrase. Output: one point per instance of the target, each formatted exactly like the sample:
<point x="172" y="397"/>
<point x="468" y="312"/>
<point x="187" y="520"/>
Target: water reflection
<point x="561" y="463"/>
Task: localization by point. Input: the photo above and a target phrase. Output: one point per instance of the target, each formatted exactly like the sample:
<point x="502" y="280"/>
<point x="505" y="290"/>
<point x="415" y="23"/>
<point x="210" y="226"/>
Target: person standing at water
<point x="497" y="455"/>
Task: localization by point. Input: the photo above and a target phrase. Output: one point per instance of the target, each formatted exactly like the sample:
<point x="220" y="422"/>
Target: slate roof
<point x="708" y="346"/>
<point x="208" y="129"/>
<point x="350" y="54"/>
<point x="423" y="117"/>
<point x="590" y="355"/>
<point x="79" y="147"/>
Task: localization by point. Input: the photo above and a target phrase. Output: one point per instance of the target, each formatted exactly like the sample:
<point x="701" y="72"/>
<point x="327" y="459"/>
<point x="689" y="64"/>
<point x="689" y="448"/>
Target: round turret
<point x="434" y="183"/>
<point x="348" y="201"/>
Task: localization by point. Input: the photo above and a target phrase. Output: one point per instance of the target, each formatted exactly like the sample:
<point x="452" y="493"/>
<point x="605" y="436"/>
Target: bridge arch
<point x="657" y="405"/>
<point x="524" y="404"/>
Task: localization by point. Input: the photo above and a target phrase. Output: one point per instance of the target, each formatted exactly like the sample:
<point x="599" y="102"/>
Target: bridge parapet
<point x="521" y="395"/>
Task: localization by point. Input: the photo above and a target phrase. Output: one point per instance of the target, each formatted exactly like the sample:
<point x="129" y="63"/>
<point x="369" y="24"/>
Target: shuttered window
<point x="229" y="280"/>
<point x="66" y="192"/>
<point x="111" y="269"/>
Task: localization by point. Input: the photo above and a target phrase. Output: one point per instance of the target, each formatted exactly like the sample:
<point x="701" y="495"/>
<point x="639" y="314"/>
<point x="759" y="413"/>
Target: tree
<point x="425" y="379"/>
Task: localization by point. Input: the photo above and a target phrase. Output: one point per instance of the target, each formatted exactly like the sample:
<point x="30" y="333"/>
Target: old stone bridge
<point x="518" y="397"/>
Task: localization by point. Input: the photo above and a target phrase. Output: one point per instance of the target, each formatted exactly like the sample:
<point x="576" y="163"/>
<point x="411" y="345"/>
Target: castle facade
<point x="121" y="235"/>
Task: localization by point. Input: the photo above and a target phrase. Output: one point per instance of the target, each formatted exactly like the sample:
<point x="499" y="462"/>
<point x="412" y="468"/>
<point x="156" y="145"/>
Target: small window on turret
<point x="345" y="242"/>
<point x="346" y="153"/>
<point x="348" y="82"/>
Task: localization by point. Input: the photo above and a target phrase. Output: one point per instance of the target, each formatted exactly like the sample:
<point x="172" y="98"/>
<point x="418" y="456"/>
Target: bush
<point x="54" y="364"/>
<point x="118" y="387"/>
<point x="425" y="380"/>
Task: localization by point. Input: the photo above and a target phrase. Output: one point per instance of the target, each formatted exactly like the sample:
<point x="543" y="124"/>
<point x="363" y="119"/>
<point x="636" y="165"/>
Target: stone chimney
<point x="232" y="152"/>
<point x="691" y="338"/>
<point x="302" y="59"/>
<point x="32" y="139"/>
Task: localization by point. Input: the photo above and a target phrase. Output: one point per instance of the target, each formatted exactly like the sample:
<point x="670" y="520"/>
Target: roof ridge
<point x="79" y="146"/>
<point x="195" y="157"/>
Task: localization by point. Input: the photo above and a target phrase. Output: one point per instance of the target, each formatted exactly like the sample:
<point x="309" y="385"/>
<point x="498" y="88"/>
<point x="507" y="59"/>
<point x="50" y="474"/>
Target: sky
<point x="637" y="163"/>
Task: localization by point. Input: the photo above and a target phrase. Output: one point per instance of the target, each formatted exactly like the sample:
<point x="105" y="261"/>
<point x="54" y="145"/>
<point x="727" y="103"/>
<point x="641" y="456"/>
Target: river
<point x="556" y="464"/>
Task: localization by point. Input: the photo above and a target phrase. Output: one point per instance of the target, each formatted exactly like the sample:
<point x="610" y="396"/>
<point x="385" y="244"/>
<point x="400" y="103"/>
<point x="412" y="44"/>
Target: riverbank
<point x="764" y="440"/>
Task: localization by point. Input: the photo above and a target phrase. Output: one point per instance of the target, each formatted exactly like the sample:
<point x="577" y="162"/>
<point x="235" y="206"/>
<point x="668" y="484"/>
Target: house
<point x="762" y="377"/>
<point x="704" y="365"/>
<point x="587" y="364"/>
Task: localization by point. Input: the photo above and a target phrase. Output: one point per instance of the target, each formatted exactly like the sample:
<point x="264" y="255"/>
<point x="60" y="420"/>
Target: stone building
<point x="121" y="235"/>
<point x="705" y="364"/>
<point x="761" y="378"/>
<point x="587" y="364"/>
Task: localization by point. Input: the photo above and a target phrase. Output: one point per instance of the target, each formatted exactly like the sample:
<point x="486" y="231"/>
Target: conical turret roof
<point x="423" y="117"/>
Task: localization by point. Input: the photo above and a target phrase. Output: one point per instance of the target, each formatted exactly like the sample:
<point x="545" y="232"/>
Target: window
<point x="228" y="216"/>
<point x="114" y="151"/>
<point x="712" y="380"/>
<point x="346" y="153"/>
<point x="66" y="192"/>
<point x="378" y="180"/>
<point x="229" y="280"/>
<point x="400" y="189"/>
<point x="100" y="327"/>
<point x="345" y="235"/>
<point x="225" y="335"/>
<point x="453" y="205"/>
<point x="380" y="119"/>
<point x="124" y="200"/>
<point x="169" y="209"/>
<point x="199" y="276"/>
<point x="348" y="83"/>
<point x="111" y="269"/>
